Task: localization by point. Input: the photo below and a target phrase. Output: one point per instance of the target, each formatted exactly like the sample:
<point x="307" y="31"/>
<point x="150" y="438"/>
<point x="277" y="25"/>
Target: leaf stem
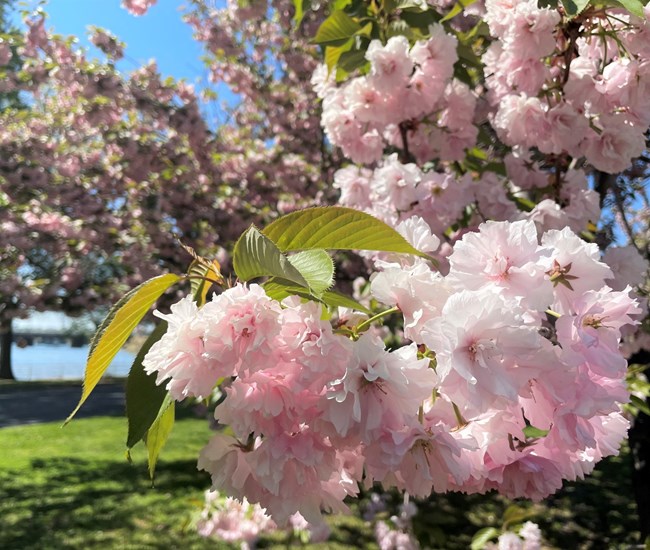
<point x="368" y="322"/>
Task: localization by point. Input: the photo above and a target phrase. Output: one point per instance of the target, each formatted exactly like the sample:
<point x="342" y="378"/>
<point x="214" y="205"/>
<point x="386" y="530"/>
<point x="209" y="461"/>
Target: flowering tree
<point x="103" y="174"/>
<point x="485" y="140"/>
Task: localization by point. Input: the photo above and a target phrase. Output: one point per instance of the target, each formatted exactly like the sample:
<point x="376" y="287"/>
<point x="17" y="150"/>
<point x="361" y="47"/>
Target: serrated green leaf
<point x="158" y="434"/>
<point x="143" y="397"/>
<point x="256" y="255"/>
<point x="333" y="53"/>
<point x="336" y="29"/>
<point x="317" y="267"/>
<point x="336" y="228"/>
<point x="279" y="289"/>
<point x="533" y="432"/>
<point x="116" y="328"/>
<point x="483" y="536"/>
<point x="574" y="7"/>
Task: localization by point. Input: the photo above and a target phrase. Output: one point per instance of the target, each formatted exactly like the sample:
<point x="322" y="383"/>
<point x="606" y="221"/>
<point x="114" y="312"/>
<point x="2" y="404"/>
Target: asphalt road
<point x="29" y="404"/>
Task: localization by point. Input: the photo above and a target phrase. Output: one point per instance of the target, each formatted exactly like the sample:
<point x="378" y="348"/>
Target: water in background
<point x="60" y="362"/>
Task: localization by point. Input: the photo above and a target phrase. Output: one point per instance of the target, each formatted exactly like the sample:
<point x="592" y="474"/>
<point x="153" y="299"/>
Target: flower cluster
<point x="512" y="380"/>
<point x="408" y="91"/>
<point x="577" y="91"/>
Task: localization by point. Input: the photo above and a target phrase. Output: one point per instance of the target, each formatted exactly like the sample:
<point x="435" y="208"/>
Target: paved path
<point x="26" y="404"/>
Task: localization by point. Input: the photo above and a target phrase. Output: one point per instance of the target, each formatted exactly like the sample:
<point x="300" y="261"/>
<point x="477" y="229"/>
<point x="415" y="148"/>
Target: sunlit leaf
<point x="635" y="7"/>
<point x="533" y="432"/>
<point x="256" y="255"/>
<point x="482" y="537"/>
<point x="116" y="328"/>
<point x="336" y="29"/>
<point x="158" y="434"/>
<point x="317" y="267"/>
<point x="335" y="227"/>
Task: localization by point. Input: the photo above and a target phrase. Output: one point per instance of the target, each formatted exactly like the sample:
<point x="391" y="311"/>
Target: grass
<point x="73" y="488"/>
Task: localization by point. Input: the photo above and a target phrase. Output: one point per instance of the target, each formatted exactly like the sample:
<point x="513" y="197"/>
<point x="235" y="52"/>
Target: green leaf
<point x="533" y="432"/>
<point x="640" y="404"/>
<point x="524" y="204"/>
<point x="299" y="6"/>
<point x="255" y="255"/>
<point x="457" y="9"/>
<point x="143" y="397"/>
<point x="333" y="53"/>
<point x="336" y="29"/>
<point x="317" y="267"/>
<point x="158" y="433"/>
<point x="516" y="514"/>
<point x="279" y="289"/>
<point x="352" y="60"/>
<point x="419" y="19"/>
<point x="635" y="7"/>
<point x="203" y="273"/>
<point x="574" y="7"/>
<point x="483" y="536"/>
<point x="336" y="228"/>
<point x="116" y="328"/>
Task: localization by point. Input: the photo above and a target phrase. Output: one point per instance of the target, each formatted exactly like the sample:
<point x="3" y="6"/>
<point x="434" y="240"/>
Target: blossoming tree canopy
<point x="473" y="135"/>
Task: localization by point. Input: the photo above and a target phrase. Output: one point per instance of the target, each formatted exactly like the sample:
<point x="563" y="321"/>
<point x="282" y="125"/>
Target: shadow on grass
<point x="593" y="514"/>
<point x="73" y="503"/>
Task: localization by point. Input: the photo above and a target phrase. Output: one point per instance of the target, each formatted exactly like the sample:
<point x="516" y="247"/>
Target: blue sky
<point x="160" y="34"/>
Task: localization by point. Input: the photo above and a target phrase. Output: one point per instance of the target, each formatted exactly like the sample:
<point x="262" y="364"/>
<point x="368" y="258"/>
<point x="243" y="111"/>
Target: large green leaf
<point x="255" y="255"/>
<point x="143" y="397"/>
<point x="116" y="328"/>
<point x="158" y="434"/>
<point x="337" y="29"/>
<point x="336" y="227"/>
<point x="317" y="267"/>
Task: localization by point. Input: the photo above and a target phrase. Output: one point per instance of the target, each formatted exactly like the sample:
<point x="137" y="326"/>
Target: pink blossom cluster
<point x="233" y="521"/>
<point x="409" y="93"/>
<point x="138" y="7"/>
<point x="227" y="519"/>
<point x="522" y="334"/>
<point x="395" y="193"/>
<point x="575" y="91"/>
<point x="529" y="537"/>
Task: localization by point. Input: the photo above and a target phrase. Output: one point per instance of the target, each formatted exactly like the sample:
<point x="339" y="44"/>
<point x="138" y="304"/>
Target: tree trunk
<point x="6" y="337"/>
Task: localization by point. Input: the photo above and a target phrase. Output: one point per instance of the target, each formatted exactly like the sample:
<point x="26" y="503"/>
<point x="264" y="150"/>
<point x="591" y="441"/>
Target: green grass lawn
<point x="73" y="488"/>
